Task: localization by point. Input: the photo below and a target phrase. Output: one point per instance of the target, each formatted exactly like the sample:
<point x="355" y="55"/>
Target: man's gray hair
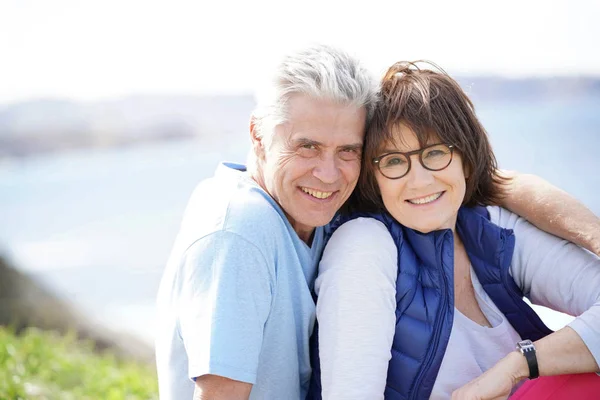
<point x="321" y="72"/>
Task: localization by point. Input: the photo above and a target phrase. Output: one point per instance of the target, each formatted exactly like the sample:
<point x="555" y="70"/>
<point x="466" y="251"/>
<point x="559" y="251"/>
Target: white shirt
<point x="356" y="307"/>
<point x="473" y="349"/>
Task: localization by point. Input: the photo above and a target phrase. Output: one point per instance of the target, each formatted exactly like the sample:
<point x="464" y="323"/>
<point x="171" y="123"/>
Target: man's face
<point x="313" y="162"/>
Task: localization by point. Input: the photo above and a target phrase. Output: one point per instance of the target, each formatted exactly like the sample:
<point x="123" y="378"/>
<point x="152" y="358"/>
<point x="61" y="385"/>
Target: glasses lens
<point x="393" y="165"/>
<point x="436" y="157"/>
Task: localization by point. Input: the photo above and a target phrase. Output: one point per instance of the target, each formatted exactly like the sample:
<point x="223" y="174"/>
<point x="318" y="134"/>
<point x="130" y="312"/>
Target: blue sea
<point x="96" y="226"/>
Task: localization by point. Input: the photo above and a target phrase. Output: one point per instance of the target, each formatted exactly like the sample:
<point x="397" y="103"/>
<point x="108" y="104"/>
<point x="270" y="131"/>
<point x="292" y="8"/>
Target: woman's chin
<point x="428" y="228"/>
<point x="425" y="230"/>
<point x="420" y="227"/>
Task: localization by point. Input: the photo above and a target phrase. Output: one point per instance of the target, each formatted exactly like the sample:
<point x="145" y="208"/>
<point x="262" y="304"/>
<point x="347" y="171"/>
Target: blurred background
<point x="112" y="111"/>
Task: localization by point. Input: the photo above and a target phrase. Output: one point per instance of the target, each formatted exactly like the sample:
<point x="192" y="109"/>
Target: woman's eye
<point x="390" y="162"/>
<point x="435" y="153"/>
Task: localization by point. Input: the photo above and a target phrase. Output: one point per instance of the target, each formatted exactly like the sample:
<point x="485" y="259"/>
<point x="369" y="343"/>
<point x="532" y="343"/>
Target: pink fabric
<point x="560" y="387"/>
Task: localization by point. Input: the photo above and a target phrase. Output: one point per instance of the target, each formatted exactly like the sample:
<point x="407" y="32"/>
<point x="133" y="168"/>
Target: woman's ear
<point x="466" y="170"/>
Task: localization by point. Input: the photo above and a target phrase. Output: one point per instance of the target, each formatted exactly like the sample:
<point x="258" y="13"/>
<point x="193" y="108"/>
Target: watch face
<point x="526" y="345"/>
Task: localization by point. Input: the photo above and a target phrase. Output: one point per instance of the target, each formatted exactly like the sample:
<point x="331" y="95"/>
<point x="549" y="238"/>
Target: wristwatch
<point x="527" y="348"/>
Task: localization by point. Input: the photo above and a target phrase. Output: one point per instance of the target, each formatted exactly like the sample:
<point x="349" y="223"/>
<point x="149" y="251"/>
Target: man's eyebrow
<point x="353" y="146"/>
<point x="303" y="141"/>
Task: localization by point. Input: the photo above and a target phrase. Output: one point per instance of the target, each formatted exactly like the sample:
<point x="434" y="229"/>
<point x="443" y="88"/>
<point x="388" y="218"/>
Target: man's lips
<point x="317" y="194"/>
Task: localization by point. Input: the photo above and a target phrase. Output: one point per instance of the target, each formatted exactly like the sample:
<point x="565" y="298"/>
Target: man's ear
<point x="256" y="139"/>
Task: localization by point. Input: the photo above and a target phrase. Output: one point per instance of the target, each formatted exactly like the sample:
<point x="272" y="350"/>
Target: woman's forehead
<point x="402" y="137"/>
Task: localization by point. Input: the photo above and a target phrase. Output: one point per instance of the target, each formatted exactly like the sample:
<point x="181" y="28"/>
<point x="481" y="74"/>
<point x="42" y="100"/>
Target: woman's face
<point x="422" y="200"/>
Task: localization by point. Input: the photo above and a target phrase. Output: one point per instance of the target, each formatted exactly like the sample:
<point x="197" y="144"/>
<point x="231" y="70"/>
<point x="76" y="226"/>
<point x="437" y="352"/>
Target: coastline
<point x="24" y="303"/>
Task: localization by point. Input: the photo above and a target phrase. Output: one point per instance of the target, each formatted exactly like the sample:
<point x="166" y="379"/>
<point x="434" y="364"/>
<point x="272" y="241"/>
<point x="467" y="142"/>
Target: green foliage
<point x="41" y="365"/>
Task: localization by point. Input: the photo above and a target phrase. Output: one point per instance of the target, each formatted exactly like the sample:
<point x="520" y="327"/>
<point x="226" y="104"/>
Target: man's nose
<point x="327" y="169"/>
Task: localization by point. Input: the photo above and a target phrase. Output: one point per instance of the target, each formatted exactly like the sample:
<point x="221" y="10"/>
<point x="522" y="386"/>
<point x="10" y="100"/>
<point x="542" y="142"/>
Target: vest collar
<point x="482" y="238"/>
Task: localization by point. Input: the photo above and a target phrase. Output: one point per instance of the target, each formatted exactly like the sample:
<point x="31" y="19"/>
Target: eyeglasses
<point x="396" y="165"/>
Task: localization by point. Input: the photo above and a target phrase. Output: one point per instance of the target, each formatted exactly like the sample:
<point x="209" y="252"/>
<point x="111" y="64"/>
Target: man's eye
<point x="308" y="150"/>
<point x="349" y="154"/>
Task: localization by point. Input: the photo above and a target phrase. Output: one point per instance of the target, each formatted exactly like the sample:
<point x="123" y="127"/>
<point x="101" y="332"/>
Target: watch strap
<point x="528" y="350"/>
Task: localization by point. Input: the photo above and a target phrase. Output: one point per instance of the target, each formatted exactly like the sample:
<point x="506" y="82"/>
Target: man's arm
<point x="223" y="305"/>
<point x="214" y="387"/>
<point x="552" y="210"/>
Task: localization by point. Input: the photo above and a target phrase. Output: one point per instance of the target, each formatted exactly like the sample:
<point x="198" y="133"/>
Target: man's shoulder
<point x="227" y="213"/>
<point x="233" y="203"/>
<point x="242" y="205"/>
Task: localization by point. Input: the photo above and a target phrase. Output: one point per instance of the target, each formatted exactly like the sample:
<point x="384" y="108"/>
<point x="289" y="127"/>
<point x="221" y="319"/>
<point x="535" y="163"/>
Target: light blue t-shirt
<point x="235" y="299"/>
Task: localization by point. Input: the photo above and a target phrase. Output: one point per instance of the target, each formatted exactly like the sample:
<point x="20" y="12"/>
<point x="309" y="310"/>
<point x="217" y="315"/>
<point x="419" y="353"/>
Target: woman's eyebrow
<point x="388" y="150"/>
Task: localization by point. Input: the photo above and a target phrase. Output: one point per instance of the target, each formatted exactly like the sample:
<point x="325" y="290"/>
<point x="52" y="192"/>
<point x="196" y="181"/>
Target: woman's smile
<point x="419" y="201"/>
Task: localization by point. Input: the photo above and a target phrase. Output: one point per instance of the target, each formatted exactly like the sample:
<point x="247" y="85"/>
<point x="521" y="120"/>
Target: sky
<point x="94" y="49"/>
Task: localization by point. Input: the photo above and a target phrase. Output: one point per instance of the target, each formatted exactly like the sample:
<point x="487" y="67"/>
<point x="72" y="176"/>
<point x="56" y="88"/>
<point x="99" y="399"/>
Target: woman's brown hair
<point x="435" y="107"/>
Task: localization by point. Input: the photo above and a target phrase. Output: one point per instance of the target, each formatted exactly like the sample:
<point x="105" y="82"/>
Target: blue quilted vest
<point x="425" y="297"/>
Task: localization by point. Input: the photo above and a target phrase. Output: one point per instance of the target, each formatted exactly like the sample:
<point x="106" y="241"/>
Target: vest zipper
<point x="433" y="349"/>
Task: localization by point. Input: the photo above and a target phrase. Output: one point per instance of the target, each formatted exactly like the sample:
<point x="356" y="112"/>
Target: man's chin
<point x="319" y="221"/>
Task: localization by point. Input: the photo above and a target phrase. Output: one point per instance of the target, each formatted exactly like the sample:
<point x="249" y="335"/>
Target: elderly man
<point x="235" y="304"/>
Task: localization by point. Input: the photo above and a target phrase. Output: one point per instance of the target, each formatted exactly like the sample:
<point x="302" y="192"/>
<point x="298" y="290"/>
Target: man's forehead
<point x="304" y="107"/>
<point x="300" y="134"/>
<point x="325" y="122"/>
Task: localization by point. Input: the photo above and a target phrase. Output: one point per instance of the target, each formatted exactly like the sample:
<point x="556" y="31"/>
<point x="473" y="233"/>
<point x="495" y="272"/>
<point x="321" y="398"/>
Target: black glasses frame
<point x="408" y="155"/>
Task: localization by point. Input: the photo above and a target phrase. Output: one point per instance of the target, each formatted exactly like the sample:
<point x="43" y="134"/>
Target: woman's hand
<point x="562" y="352"/>
<point x="497" y="382"/>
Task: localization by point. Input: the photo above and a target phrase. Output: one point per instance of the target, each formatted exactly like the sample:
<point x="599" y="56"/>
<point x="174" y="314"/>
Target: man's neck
<point x="306" y="235"/>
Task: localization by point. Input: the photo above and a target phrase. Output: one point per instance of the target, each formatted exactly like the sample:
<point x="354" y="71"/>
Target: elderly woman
<point x="436" y="272"/>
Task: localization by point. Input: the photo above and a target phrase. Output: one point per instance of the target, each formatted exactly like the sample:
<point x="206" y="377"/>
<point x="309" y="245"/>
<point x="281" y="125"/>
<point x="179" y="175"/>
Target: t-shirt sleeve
<point x="556" y="274"/>
<point x="356" y="306"/>
<point x="224" y="301"/>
